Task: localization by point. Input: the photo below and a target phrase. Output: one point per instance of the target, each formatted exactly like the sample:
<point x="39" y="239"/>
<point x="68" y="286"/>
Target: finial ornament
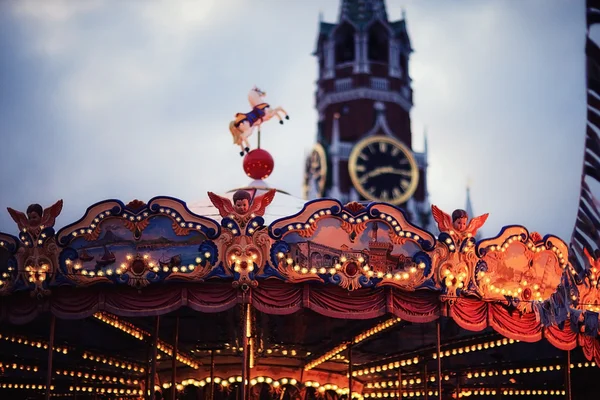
<point x="244" y="124"/>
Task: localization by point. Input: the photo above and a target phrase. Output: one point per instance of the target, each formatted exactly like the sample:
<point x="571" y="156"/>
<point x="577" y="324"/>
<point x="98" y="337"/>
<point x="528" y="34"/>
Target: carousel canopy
<point x="258" y="287"/>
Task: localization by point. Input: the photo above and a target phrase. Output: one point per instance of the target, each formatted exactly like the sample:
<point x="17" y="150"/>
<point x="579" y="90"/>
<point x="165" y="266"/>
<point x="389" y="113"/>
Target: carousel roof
<point x="322" y="290"/>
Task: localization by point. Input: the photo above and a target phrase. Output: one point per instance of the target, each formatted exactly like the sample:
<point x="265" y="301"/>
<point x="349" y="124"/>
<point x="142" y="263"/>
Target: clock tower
<point x="364" y="97"/>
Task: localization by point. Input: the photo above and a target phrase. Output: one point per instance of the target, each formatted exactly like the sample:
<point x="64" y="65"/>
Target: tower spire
<point x="361" y="12"/>
<point x="468" y="205"/>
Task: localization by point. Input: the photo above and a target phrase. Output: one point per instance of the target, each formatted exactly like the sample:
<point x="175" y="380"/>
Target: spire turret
<point x="361" y="12"/>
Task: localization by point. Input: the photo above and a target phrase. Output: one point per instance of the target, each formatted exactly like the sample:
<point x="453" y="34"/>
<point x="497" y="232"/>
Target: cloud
<point x="132" y="99"/>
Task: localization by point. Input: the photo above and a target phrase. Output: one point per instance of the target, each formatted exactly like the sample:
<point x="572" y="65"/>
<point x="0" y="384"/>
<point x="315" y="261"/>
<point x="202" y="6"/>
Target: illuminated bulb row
<point x="101" y="378"/>
<point x="261" y="379"/>
<point x="283" y="351"/>
<point x="397" y="276"/>
<point x="516" y="292"/>
<point x="33" y="343"/>
<point x="277" y="350"/>
<point x="139" y="334"/>
<point x="326" y="356"/>
<point x="405" y="382"/>
<point x="352" y="220"/>
<point x="411" y="393"/>
<point x="173" y="214"/>
<point x="182" y="358"/>
<point x="476" y="347"/>
<point x="513" y="371"/>
<point x="93" y="225"/>
<point x="398" y="228"/>
<point x="113" y="362"/>
<point x="123" y="326"/>
<point x="385" y="367"/>
<point x="18" y="366"/>
<point x="511" y="239"/>
<point x="25" y="386"/>
<point x="91" y="389"/>
<point x="544" y="392"/>
<point x="583" y="365"/>
<point x="376" y="329"/>
<point x="531" y="246"/>
<point x="310" y="221"/>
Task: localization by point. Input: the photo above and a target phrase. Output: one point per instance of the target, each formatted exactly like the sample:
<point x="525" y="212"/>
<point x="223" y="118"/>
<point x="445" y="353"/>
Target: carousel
<point x="254" y="294"/>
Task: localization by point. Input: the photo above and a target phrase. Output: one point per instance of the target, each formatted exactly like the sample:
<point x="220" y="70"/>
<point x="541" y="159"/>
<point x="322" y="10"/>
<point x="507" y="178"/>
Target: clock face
<point x="383" y="169"/>
<point x="315" y="173"/>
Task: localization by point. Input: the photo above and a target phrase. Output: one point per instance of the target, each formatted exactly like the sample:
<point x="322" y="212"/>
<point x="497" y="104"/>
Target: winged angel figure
<point x="36" y="219"/>
<point x="456" y="225"/>
<point x="38" y="259"/>
<point x="243" y="208"/>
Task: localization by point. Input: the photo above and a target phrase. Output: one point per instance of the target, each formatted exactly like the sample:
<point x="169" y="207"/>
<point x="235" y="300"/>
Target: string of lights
<point x="33" y="343"/>
<point x="357" y="339"/>
<point x="225" y="382"/>
<point x="475" y="347"/>
<point x="140" y="334"/>
<point x="93" y="389"/>
<point x="98" y="377"/>
<point x="113" y="362"/>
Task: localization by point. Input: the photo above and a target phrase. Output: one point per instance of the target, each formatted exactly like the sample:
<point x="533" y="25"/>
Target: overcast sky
<point x="131" y="99"/>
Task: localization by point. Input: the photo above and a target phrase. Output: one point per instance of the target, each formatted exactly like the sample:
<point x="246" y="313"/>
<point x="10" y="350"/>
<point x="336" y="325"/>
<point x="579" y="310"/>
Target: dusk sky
<point x="132" y="99"/>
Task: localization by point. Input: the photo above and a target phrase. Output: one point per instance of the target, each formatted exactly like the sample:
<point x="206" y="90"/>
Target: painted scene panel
<point x="330" y="243"/>
<point x="158" y="243"/>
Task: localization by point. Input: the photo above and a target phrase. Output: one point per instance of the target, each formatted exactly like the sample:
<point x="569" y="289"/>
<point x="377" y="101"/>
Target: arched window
<point x="344" y="44"/>
<point x="378" y="43"/>
<point x="404" y="64"/>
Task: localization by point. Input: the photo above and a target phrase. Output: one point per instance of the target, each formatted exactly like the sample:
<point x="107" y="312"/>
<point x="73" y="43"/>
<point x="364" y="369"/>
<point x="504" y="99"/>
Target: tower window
<point x="344" y="44"/>
<point x="404" y="64"/>
<point x="378" y="43"/>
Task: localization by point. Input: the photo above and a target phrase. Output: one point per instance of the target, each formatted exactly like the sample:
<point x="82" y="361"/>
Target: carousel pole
<point x="154" y="355"/>
<point x="399" y="383"/>
<point x="258" y="137"/>
<point x="350" y="371"/>
<point x="174" y="361"/>
<point x="245" y="328"/>
<point x="439" y="359"/>
<point x="50" y="351"/>
<point x="148" y="368"/>
<point x="212" y="375"/>
<point x="425" y="380"/>
<point x="568" y="383"/>
<point x="458" y="385"/>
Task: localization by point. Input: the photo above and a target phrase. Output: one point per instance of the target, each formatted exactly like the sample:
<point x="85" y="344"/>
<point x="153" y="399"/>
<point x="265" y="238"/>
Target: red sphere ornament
<point x="258" y="164"/>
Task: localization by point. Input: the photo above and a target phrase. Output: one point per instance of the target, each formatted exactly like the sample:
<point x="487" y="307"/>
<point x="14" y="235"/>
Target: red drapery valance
<point x="276" y="297"/>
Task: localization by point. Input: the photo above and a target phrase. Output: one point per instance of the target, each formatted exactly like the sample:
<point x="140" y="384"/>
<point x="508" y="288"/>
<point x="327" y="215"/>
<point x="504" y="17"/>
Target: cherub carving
<point x="37" y="219"/>
<point x="243" y="209"/>
<point x="38" y="260"/>
<point x="456" y="225"/>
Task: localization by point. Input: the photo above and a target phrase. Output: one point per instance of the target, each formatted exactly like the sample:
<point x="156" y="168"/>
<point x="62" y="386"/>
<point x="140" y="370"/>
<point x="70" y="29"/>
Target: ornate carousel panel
<point x="137" y="244"/>
<point x="353" y="246"/>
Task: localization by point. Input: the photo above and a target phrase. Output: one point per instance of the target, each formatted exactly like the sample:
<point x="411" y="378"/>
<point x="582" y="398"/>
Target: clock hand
<point x="384" y="170"/>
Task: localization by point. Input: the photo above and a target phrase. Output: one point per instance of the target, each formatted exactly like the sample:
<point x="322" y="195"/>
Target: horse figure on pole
<point x="244" y="124"/>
